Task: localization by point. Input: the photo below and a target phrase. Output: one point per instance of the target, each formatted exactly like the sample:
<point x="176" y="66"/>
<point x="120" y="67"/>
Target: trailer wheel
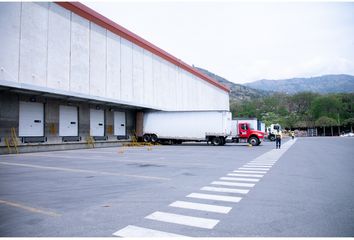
<point x="146" y="138"/>
<point x="153" y="138"/>
<point x="216" y="141"/>
<point x="253" y="141"/>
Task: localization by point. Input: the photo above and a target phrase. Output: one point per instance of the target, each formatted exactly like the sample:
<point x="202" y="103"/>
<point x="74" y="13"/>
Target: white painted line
<point x="240" y="179"/>
<point x="225" y="190"/>
<point x="241" y="171"/>
<point x="257" y="166"/>
<point x="245" y="175"/>
<point x="183" y="220"/>
<point x="264" y="169"/>
<point x="201" y="207"/>
<point x="131" y="231"/>
<point x="233" y="184"/>
<point x="214" y="197"/>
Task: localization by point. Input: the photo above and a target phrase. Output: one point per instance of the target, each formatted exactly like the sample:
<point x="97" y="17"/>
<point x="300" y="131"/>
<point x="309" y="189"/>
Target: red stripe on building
<point x="93" y="16"/>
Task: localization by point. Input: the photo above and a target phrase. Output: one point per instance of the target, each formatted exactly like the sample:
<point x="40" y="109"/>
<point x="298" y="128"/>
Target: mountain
<point x="324" y="84"/>
<point x="238" y="92"/>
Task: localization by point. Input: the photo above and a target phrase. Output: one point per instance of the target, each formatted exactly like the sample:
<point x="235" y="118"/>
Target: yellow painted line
<point x="83" y="171"/>
<point x="30" y="209"/>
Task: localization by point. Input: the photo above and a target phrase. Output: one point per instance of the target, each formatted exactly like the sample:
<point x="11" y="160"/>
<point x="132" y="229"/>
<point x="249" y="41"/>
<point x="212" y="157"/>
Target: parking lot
<point x="303" y="189"/>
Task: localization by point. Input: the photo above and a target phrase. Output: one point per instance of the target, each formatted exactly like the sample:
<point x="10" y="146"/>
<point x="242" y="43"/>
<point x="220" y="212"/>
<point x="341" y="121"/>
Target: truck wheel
<point x="253" y="141"/>
<point x="146" y="138"/>
<point x="216" y="141"/>
<point x="153" y="138"/>
<point x="223" y="141"/>
<point x="177" y="142"/>
<point x="272" y="138"/>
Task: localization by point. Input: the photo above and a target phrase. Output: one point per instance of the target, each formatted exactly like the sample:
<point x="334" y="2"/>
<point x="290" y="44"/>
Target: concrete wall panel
<point x="126" y="70"/>
<point x="138" y="74"/>
<point x="58" y="48"/>
<point x="178" y="89"/>
<point x="164" y="84"/>
<point x="10" y="40"/>
<point x="113" y="66"/>
<point x="33" y="53"/>
<point x="80" y="55"/>
<point x="97" y="60"/>
<point x="148" y="79"/>
<point x="156" y="66"/>
<point x="183" y="82"/>
<point x="172" y="80"/>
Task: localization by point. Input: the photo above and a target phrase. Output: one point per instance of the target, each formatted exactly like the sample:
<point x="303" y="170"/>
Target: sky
<point x="245" y="41"/>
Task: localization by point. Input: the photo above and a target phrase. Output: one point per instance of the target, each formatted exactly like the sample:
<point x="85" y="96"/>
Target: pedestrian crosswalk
<point x="223" y="193"/>
<point x="137" y="232"/>
<point x="240" y="179"/>
<point x="254" y="168"/>
<point x="215" y="197"/>
<point x="233" y="184"/>
<point x="244" y="175"/>
<point x="183" y="220"/>
<point x="225" y="190"/>
<point x="201" y="207"/>
<point x="244" y="171"/>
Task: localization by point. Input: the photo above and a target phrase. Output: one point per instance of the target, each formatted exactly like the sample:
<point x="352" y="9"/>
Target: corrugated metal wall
<point x="43" y="44"/>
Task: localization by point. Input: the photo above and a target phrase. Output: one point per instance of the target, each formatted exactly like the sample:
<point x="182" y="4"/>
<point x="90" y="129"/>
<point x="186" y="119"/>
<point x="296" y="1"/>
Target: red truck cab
<point x="246" y="134"/>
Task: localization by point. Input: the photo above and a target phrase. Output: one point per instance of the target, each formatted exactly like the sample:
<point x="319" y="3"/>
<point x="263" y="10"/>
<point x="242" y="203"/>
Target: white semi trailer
<point x="177" y="127"/>
<point x="211" y="126"/>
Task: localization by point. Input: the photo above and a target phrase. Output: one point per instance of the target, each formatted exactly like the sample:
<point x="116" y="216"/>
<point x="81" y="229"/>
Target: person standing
<point x="292" y="135"/>
<point x="278" y="140"/>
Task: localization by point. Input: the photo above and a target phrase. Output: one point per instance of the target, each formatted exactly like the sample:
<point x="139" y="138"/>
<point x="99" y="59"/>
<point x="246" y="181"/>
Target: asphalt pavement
<point x="305" y="189"/>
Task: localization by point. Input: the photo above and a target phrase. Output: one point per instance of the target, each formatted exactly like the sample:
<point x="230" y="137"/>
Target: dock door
<point x="119" y="124"/>
<point x="68" y="122"/>
<point x="31" y="121"/>
<point x="96" y="123"/>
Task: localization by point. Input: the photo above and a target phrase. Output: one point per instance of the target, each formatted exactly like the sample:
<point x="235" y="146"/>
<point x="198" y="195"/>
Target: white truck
<point x="208" y="126"/>
<point x="272" y="130"/>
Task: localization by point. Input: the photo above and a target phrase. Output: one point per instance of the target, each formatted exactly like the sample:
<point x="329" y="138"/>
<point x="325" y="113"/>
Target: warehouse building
<point x="70" y="76"/>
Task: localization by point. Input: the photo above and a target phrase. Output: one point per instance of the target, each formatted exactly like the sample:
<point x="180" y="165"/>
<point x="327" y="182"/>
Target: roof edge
<point x="93" y="16"/>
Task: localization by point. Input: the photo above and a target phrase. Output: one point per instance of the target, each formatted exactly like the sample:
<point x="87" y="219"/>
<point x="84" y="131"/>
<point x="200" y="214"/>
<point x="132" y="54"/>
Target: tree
<point x="300" y="103"/>
<point x="347" y="108"/>
<point x="349" y="122"/>
<point x="328" y="106"/>
<point x="326" y="122"/>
